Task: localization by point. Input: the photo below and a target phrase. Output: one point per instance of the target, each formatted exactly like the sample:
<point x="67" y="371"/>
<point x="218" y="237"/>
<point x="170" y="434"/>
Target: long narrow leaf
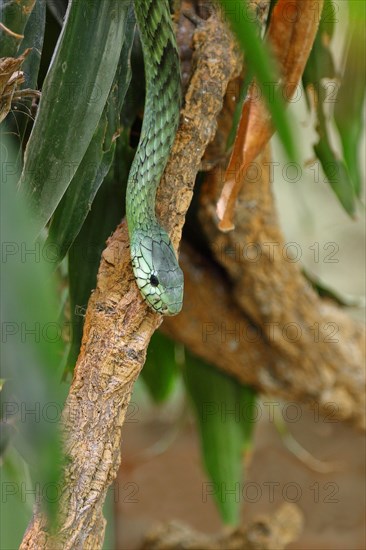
<point x="290" y="45"/>
<point x="160" y="370"/>
<point x="320" y="66"/>
<point x="33" y="38"/>
<point x="107" y="210"/>
<point x="76" y="203"/>
<point x="224" y="417"/>
<point x="260" y="60"/>
<point x="337" y="174"/>
<point x="347" y="112"/>
<point x="32" y="343"/>
<point x="74" y="95"/>
<point x="14" y="15"/>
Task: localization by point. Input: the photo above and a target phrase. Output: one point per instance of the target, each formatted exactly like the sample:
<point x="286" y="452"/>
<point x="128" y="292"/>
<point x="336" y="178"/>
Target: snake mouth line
<point x="164" y="309"/>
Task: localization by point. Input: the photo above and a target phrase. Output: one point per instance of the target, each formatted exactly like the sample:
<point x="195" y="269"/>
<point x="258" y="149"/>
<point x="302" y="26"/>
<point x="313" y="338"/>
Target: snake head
<point x="157" y="273"/>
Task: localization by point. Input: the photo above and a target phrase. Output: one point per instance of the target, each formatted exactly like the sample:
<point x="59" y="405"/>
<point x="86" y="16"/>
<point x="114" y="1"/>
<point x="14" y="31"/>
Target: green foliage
<point x="76" y="203"/>
<point x="14" y="15"/>
<point x="160" y="370"/>
<point x="224" y="412"/>
<point x="260" y="64"/>
<point x="74" y="95"/>
<point x="342" y="175"/>
<point x="32" y="398"/>
<point x="16" y="503"/>
<point x="33" y="38"/>
<point x="347" y="113"/>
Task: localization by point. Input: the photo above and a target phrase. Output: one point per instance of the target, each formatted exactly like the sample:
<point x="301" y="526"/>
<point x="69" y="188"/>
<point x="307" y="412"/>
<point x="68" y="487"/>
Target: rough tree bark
<point x="118" y="324"/>
<point x="263" y="323"/>
<point x="264" y="533"/>
<point x="325" y="347"/>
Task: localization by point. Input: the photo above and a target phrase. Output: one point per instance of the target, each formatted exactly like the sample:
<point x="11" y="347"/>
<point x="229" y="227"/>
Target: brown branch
<point x="213" y="326"/>
<point x="118" y="325"/>
<point x="264" y="533"/>
<point x="322" y="348"/>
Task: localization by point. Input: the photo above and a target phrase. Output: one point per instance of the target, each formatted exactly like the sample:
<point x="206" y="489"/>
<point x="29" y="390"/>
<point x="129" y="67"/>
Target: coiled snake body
<point x="154" y="262"/>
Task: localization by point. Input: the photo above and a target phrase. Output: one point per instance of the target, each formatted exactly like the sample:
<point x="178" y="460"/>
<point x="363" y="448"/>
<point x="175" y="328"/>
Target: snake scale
<point x="154" y="262"/>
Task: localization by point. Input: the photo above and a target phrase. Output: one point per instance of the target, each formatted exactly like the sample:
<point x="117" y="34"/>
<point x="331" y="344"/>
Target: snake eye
<point x="154" y="280"/>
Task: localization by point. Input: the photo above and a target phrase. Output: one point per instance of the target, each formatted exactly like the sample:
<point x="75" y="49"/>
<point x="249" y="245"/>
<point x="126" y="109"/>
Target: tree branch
<point x="322" y="348"/>
<point x="264" y="533"/>
<point x="118" y="325"/>
<point x="213" y="326"/>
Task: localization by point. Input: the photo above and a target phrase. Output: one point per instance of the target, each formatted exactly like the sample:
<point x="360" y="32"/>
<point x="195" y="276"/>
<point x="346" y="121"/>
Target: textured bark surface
<point x="214" y="326"/>
<point x="322" y="348"/>
<point x="118" y="324"/>
<point x="262" y="299"/>
<point x="265" y="533"/>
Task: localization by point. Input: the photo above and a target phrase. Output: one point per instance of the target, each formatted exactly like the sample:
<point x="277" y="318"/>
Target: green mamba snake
<point x="154" y="262"/>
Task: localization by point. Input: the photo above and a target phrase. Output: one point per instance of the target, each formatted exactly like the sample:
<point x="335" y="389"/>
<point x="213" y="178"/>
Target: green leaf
<point x="33" y="38"/>
<point x="106" y="212"/>
<point x="7" y="426"/>
<point x="320" y="63"/>
<point x="32" y="344"/>
<point x="248" y="399"/>
<point x="14" y="15"/>
<point x="337" y="175"/>
<point x="74" y="95"/>
<point x="160" y="370"/>
<point x="261" y="64"/>
<point x="350" y="99"/>
<point x="320" y="66"/>
<point x="17" y="500"/>
<point x="76" y="203"/>
<point x="135" y="96"/>
<point x="224" y="411"/>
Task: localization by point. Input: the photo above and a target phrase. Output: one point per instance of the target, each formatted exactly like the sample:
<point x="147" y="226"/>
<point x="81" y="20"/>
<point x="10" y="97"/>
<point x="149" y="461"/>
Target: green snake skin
<point x="154" y="262"/>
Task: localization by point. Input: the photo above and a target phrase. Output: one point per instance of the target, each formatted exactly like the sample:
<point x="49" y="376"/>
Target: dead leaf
<point x="10" y="78"/>
<point x="290" y="36"/>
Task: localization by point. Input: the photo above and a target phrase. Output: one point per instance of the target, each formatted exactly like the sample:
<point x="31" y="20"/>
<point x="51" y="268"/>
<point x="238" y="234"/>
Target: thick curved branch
<point x="322" y="348"/>
<point x="118" y="325"/>
<point x="213" y="326"/>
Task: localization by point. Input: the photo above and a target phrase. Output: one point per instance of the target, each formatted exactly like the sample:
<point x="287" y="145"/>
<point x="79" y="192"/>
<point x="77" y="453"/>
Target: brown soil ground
<point x="171" y="484"/>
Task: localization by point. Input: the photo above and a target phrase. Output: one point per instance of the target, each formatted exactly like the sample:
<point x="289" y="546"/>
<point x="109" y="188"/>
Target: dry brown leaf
<point x="10" y="78"/>
<point x="290" y="37"/>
